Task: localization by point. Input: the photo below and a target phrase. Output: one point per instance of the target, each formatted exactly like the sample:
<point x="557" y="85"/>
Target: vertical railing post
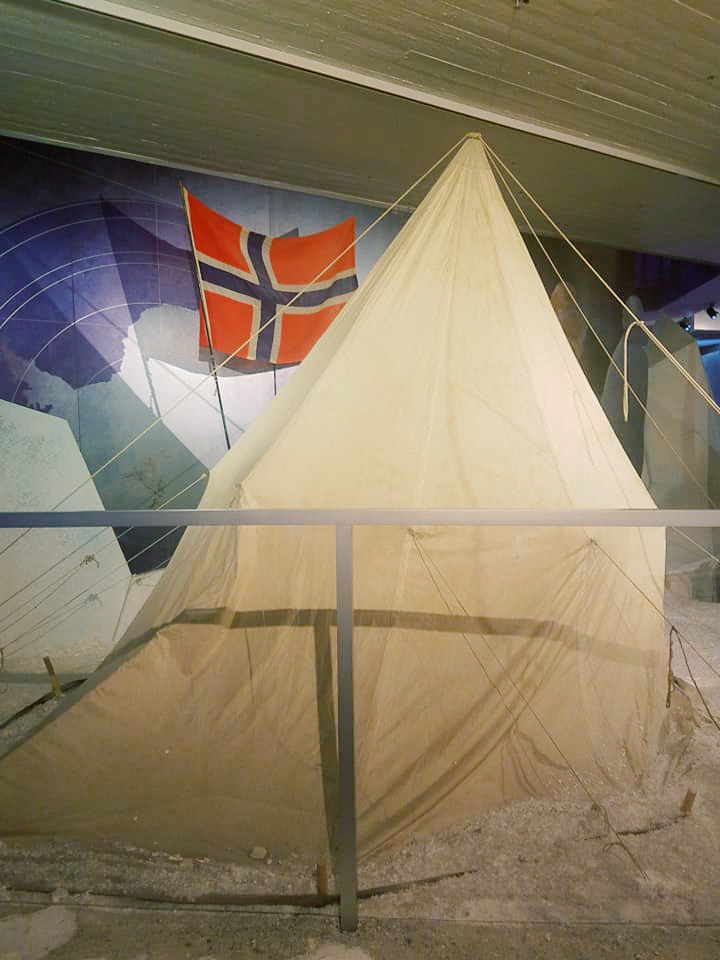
<point x="346" y="868"/>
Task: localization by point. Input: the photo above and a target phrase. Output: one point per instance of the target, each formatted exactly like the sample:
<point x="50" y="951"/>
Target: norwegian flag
<point x="246" y="278"/>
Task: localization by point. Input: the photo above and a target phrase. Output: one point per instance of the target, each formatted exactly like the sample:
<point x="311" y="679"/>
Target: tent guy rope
<point x="87" y="590"/>
<point x="613" y="363"/>
<point x="641" y="323"/>
<point x="116" y="456"/>
<point x="47" y="621"/>
<point x="618" y="841"/>
<point x="681" y="638"/>
<point x="571" y="294"/>
<point x="82" y="546"/>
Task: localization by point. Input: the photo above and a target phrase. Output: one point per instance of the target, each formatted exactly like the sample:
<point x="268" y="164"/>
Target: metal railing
<point x="344" y="520"/>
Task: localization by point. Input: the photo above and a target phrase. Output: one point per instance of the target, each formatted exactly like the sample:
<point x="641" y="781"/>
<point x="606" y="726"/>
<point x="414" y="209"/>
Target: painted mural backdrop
<point x="99" y="315"/>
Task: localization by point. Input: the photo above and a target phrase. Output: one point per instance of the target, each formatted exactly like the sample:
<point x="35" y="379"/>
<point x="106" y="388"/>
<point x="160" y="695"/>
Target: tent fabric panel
<point x="446" y="382"/>
<point x="448" y="721"/>
<point x="179" y="754"/>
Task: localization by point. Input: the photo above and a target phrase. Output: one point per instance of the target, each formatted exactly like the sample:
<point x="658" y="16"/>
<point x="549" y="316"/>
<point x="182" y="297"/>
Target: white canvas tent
<point x="446" y="382"/>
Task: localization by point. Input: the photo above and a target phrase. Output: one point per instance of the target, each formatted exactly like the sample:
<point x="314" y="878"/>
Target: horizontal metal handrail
<point x="408" y="516"/>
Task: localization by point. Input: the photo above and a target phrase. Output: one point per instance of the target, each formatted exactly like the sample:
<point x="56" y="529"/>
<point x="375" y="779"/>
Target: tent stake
<point x="347" y="827"/>
<point x="57" y="689"/>
<point x="321" y="879"/>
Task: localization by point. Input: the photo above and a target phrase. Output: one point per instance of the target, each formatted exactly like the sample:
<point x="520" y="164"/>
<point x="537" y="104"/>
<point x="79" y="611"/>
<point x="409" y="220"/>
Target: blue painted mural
<point x="99" y="316"/>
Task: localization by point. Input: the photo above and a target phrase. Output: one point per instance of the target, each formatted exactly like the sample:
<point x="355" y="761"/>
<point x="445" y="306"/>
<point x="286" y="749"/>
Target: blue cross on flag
<point x="247" y="278"/>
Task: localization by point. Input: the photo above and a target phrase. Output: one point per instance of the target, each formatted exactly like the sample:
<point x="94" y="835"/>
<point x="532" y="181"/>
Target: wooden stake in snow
<point x="321" y="879"/>
<point x="57" y="689"/>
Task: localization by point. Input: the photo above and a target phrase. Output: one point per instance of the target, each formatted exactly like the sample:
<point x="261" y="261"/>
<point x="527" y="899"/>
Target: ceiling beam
<point x="380" y="84"/>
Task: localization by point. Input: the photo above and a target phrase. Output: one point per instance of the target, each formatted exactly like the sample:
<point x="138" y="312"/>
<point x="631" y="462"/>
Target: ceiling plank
<point x="76" y="78"/>
<point x="306" y="21"/>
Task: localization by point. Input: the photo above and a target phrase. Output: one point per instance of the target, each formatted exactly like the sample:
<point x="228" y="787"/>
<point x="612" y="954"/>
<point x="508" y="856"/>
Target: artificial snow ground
<point x="539" y="878"/>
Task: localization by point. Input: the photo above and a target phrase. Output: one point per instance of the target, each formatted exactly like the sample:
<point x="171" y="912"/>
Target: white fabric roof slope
<point x="446" y="382"/>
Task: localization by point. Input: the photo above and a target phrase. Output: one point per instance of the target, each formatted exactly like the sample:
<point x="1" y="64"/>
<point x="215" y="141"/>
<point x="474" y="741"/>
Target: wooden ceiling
<point x="359" y="99"/>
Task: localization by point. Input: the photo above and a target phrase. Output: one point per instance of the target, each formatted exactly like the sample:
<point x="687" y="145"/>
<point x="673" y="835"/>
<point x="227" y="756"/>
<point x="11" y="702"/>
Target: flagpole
<point x="203" y="313"/>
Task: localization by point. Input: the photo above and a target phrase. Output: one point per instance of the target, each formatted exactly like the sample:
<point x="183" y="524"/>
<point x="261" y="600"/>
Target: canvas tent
<point x="447" y="381"/>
